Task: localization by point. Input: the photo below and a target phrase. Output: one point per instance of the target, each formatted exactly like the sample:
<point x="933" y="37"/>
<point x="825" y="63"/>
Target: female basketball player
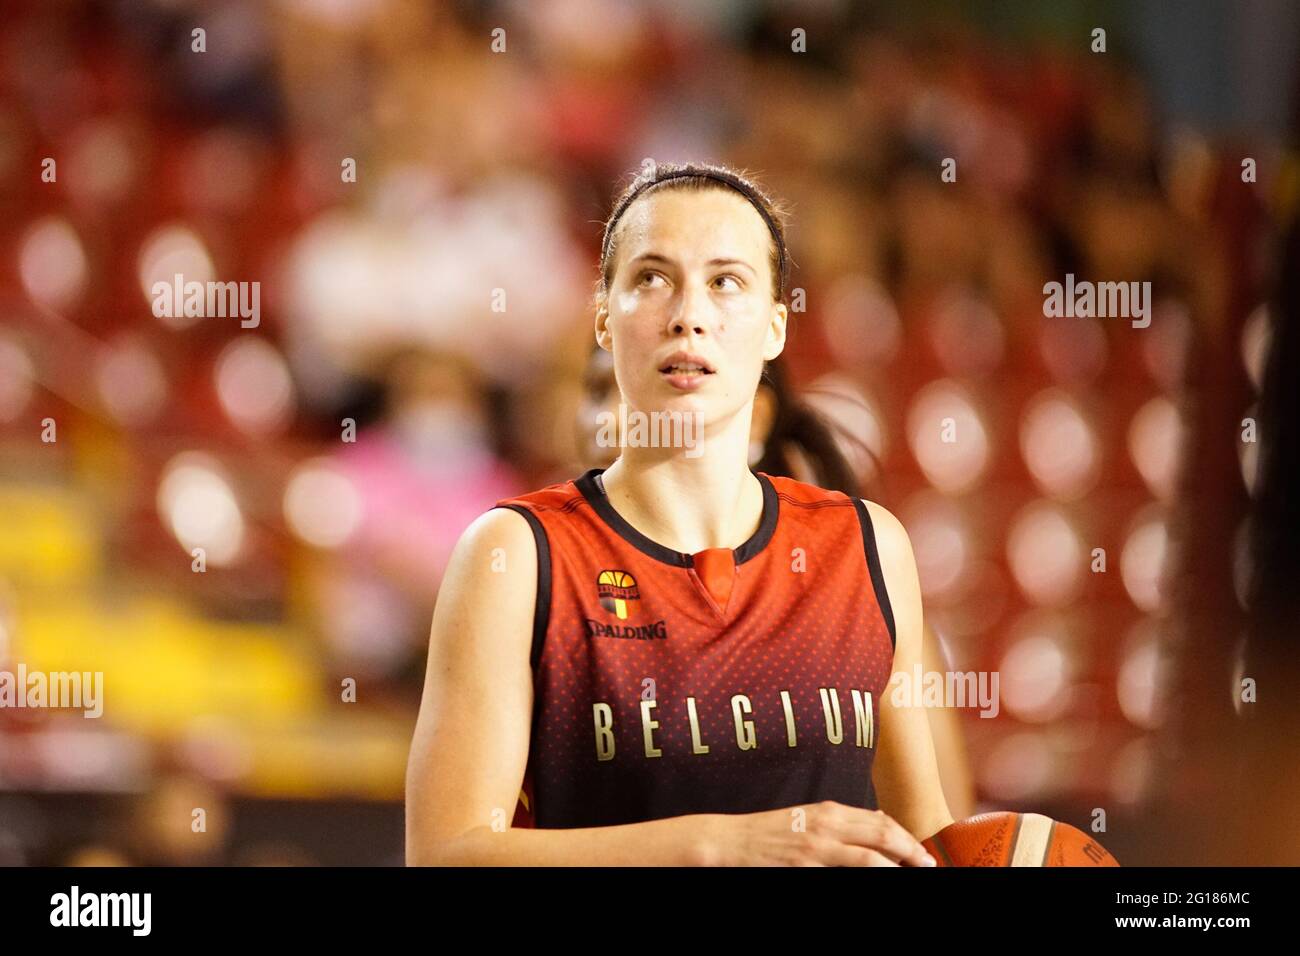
<point x="677" y="660"/>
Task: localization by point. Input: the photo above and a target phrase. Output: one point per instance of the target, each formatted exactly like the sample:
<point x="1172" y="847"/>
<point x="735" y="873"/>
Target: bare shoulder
<point x="503" y="528"/>
<point x="489" y="588"/>
<point x="892" y="541"/>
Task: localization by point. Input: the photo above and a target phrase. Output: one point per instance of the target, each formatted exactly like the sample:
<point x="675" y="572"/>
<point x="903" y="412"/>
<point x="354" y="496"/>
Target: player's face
<point x="692" y="274"/>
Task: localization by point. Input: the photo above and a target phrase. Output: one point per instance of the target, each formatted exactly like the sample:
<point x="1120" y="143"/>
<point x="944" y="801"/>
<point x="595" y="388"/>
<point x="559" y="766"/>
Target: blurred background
<point x="379" y="170"/>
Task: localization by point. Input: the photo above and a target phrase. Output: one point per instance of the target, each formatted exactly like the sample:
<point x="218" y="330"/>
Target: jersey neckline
<point x="593" y="490"/>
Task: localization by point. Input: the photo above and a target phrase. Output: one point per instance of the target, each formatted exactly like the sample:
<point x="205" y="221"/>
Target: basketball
<point x="1015" y="839"/>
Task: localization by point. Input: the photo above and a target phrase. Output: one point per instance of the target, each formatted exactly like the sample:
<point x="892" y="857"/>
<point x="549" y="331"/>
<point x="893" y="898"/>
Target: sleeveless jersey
<point x="728" y="681"/>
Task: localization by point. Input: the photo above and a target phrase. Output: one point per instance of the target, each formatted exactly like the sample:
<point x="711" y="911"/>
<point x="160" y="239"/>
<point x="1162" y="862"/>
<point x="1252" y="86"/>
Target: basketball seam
<point x="1015" y="836"/>
<point x="943" y="850"/>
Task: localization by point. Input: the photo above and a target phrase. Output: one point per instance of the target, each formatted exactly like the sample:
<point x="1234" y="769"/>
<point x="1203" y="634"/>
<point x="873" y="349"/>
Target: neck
<point x="690" y="504"/>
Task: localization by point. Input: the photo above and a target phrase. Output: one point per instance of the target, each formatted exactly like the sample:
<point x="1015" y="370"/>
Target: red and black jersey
<point x="727" y="681"/>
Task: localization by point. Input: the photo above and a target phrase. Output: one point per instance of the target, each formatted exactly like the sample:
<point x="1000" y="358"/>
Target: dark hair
<point x="794" y="422"/>
<point x="699" y="176"/>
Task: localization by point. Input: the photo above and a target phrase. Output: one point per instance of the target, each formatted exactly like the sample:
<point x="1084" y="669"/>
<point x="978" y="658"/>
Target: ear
<point x="604" y="337"/>
<point x="775" y="343"/>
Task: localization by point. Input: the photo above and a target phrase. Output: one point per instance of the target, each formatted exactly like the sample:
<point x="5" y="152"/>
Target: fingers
<point x="857" y="829"/>
<point x="846" y="854"/>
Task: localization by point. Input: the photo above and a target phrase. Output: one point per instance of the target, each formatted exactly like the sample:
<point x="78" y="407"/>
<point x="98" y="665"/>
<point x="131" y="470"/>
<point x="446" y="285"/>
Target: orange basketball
<point x="1015" y="839"/>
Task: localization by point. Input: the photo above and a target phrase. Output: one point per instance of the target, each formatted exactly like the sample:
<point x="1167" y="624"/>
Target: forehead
<point x="689" y="224"/>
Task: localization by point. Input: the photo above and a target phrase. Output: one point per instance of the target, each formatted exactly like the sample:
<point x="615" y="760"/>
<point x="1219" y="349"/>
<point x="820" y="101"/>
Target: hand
<point x="819" y="834"/>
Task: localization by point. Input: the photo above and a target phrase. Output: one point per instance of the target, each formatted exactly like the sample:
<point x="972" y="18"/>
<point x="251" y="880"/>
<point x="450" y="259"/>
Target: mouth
<point x="685" y="372"/>
<point x="685" y="364"/>
<point x="685" y="369"/>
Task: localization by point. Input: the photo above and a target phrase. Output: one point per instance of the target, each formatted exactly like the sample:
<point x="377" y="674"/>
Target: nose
<point x="691" y="313"/>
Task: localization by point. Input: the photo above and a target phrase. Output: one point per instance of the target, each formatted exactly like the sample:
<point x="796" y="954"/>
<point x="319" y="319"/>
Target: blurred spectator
<point x="422" y="473"/>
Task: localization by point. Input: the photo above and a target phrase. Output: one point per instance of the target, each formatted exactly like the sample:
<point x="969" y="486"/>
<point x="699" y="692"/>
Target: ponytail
<point x="795" y="424"/>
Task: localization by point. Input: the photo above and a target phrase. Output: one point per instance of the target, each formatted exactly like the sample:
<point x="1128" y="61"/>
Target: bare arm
<point x="906" y="773"/>
<point x="949" y="740"/>
<point x="470" y="746"/>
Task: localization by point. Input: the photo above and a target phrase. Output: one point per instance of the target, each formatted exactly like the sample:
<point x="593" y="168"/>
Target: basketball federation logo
<point x="616" y="590"/>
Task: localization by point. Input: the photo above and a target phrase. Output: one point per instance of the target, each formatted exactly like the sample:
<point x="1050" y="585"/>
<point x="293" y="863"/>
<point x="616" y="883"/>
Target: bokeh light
<point x="131" y="382"/>
<point x="170" y="251"/>
<point x="1143" y="672"/>
<point x="940" y="543"/>
<point x="52" y="263"/>
<point x="1046" y="554"/>
<point x="966" y="334"/>
<point x="1019" y="767"/>
<point x="861" y="322"/>
<point x="1155" y="443"/>
<point x="1248" y="442"/>
<point x="196" y="501"/>
<point x="321" y="505"/>
<point x="948" y="437"/>
<point x="1060" y="448"/>
<point x="102" y="162"/>
<point x="1035" y="670"/>
<point x="254" y="386"/>
<point x="1143" y="559"/>
<point x="1256" y="338"/>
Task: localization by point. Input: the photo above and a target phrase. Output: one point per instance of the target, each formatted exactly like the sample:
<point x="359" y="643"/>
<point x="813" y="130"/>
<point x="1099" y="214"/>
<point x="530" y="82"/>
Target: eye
<point x="737" y="284"/>
<point x="641" y="279"/>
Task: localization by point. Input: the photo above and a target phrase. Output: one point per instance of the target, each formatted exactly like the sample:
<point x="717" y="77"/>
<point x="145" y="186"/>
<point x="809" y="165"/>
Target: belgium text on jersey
<point x="746" y="738"/>
<point x="76" y="690"/>
<point x="75" y="908"/>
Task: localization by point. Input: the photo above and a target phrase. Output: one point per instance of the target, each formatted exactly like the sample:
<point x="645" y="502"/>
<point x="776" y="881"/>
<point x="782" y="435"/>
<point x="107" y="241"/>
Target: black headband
<point x="726" y="180"/>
